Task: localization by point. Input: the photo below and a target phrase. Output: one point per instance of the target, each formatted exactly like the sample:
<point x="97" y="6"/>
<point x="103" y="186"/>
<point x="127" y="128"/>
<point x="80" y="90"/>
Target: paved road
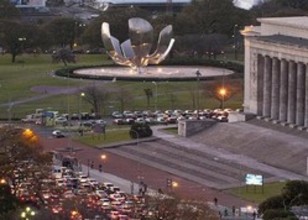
<point x="136" y="170"/>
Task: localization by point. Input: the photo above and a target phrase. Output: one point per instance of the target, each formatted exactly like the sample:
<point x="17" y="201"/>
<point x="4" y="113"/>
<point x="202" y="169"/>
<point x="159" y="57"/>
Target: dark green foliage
<point x="8" y="201"/>
<point x="275" y="202"/>
<point x="295" y="193"/>
<point x="140" y="130"/>
<point x="64" y="55"/>
<point x="278" y="214"/>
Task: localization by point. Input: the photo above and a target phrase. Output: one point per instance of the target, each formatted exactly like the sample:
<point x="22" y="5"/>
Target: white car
<point x="58" y="134"/>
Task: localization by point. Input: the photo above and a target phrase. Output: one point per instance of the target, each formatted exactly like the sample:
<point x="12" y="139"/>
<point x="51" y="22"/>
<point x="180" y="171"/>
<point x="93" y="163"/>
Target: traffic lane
<point x="135" y="171"/>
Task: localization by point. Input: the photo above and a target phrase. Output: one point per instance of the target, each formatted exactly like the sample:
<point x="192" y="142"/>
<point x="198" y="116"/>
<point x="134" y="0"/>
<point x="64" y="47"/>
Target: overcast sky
<point x="246" y="4"/>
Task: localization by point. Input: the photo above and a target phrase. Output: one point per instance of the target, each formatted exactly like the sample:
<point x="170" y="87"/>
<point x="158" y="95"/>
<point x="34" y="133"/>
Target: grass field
<point x="256" y="194"/>
<point x="111" y="136"/>
<point x="17" y="79"/>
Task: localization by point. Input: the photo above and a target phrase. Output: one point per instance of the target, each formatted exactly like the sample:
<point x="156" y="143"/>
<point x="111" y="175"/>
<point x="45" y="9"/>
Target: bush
<point x="278" y="214"/>
<point x="139" y="130"/>
<point x="274" y="202"/>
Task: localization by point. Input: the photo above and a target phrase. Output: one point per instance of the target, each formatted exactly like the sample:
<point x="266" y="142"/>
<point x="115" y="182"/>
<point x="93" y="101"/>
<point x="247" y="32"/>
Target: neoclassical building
<point x="276" y="70"/>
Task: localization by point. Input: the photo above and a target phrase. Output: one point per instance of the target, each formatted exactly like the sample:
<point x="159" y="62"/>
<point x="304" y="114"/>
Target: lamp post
<point x="22" y="40"/>
<point x="155" y="95"/>
<point x="222" y="92"/>
<point x="139" y="173"/>
<point x="27" y="213"/>
<point x="103" y="158"/>
<point x="82" y="94"/>
<point x="198" y="74"/>
<point x="234" y="41"/>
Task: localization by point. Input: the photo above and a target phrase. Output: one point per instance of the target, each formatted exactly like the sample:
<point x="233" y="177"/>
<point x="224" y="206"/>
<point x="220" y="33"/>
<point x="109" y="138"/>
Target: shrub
<point x="139" y="130"/>
<point x="278" y="214"/>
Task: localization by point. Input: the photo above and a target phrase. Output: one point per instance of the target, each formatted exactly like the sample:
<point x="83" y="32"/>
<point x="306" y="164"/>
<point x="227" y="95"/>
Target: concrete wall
<point x="188" y="128"/>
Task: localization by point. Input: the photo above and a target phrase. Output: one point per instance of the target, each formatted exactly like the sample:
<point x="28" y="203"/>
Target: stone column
<point x="283" y="93"/>
<point x="275" y="89"/>
<point x="291" y="92"/>
<point x="260" y="72"/>
<point x="300" y="94"/>
<point x="267" y="84"/>
<point x="306" y="98"/>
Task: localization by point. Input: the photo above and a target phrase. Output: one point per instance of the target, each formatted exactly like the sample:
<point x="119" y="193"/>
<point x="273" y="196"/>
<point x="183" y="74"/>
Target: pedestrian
<point x="254" y="215"/>
<point x="226" y="212"/>
<point x="215" y="201"/>
<point x="233" y="210"/>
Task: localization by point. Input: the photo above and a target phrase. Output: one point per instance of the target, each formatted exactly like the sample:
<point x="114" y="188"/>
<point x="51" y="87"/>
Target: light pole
<point x="198" y="74"/>
<point x="155" y="95"/>
<point x="82" y="94"/>
<point x="222" y="92"/>
<point x="234" y="41"/>
<point x="139" y="173"/>
<point x="103" y="158"/>
<point x="22" y="40"/>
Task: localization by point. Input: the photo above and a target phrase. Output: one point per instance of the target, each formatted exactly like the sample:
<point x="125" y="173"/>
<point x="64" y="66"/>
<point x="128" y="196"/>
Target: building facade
<point x="276" y="70"/>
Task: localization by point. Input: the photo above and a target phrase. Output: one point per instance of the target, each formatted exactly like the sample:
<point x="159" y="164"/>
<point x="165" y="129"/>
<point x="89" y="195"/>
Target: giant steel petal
<point x="141" y="35"/>
<point x="127" y="49"/>
<point x="117" y="56"/>
<point x="106" y="37"/>
<point x="164" y="45"/>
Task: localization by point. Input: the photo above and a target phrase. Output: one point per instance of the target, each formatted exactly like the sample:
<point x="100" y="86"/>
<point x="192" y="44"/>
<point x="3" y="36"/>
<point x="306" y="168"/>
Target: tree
<point x="294" y="193"/>
<point x="97" y="98"/>
<point x="209" y="16"/>
<point x="22" y="159"/>
<point x="124" y="97"/>
<point x="279" y="8"/>
<point x="7" y="10"/>
<point x="171" y="208"/>
<point x="17" y="37"/>
<point x="63" y="31"/>
<point x="64" y="55"/>
<point x="149" y="94"/>
<point x="8" y="201"/>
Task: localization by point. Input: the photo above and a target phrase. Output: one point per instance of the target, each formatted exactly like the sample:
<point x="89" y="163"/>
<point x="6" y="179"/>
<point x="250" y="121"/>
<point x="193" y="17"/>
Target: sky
<point x="246" y="4"/>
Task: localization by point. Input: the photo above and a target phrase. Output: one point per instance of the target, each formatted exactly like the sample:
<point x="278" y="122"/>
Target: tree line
<point x="203" y="28"/>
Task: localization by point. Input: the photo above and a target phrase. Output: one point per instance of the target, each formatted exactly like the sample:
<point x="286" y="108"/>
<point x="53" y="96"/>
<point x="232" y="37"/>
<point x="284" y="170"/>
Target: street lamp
<point x="155" y="95"/>
<point x="139" y="173"/>
<point x="22" y="40"/>
<point x="80" y="97"/>
<point x="222" y="92"/>
<point x="198" y="74"/>
<point x="103" y="158"/>
<point x="27" y="213"/>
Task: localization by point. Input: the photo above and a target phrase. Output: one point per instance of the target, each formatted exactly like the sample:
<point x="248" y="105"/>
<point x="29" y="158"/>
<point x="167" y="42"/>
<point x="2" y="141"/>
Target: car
<point x="58" y="134"/>
<point x="117" y="114"/>
<point x="118" y="121"/>
<point x="61" y="120"/>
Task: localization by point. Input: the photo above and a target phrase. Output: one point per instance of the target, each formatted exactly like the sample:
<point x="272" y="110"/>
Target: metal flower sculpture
<point x="135" y="51"/>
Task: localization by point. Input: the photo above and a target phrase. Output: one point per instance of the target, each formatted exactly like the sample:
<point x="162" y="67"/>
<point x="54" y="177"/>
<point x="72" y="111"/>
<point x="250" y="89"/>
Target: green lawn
<point x="111" y="136"/>
<point x="17" y="79"/>
<point x="255" y="194"/>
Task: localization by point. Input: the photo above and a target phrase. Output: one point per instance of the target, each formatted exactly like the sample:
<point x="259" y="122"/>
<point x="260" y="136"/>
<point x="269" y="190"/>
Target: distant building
<point x="29" y="3"/>
<point x="276" y="70"/>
